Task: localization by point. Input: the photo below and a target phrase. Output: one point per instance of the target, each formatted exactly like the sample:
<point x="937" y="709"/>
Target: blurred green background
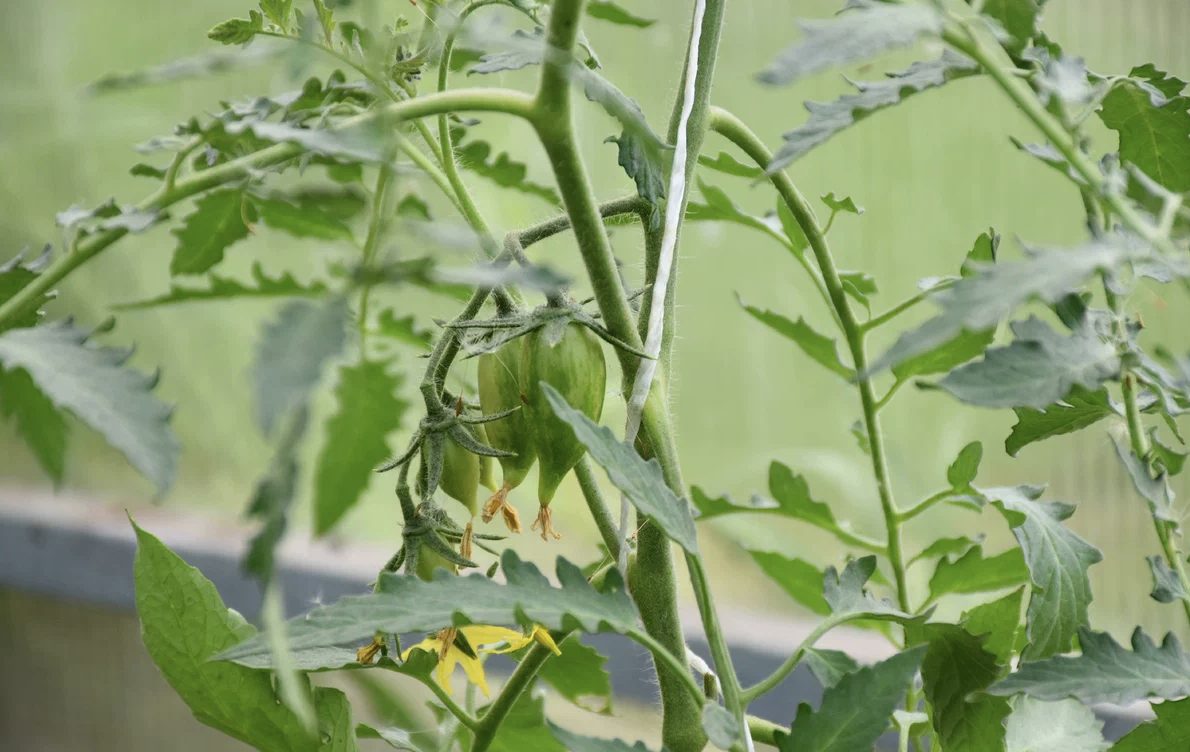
<point x="932" y="175"/>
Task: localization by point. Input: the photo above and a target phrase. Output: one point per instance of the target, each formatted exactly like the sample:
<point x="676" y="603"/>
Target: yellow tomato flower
<point x="463" y="646"/>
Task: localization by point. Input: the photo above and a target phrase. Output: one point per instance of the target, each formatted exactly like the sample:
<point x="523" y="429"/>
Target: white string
<point x="669" y="239"/>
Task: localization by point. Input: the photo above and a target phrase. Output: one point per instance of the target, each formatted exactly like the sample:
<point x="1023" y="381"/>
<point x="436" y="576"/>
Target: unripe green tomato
<point x="576" y="368"/>
<point x="428" y="561"/>
<point x="499" y="390"/>
<point x="487" y="475"/>
<point x="460" y="475"/>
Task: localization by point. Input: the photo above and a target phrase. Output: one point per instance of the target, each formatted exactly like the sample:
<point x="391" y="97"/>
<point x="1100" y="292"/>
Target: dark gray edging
<point x="77" y="548"/>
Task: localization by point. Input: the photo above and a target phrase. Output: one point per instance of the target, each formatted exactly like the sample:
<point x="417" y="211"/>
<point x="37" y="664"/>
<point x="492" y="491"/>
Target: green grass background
<point x="932" y="175"/>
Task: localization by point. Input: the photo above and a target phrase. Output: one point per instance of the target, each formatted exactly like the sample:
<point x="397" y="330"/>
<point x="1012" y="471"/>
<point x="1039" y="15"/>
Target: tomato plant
<point x="1019" y="671"/>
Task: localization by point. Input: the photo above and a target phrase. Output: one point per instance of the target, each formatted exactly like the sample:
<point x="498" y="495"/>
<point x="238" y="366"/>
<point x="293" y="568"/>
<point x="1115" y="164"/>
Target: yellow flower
<point x="463" y="646"/>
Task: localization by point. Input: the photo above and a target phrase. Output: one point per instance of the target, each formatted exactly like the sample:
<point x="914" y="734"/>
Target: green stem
<point x="738" y="133"/>
<point x="597" y="506"/>
<point x="785" y="669"/>
<point x="654" y="588"/>
<point x="246" y="168"/>
<point x="371" y="243"/>
<point x="521" y="679"/>
<point x="453" y="707"/>
<point x="922" y="506"/>
<point x="976" y="44"/>
<point x="1139" y="442"/>
<point x="764" y="731"/>
<point x="733" y="698"/>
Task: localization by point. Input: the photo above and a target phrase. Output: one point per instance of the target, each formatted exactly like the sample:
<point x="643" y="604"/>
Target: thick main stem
<point x="655" y="594"/>
<point x="738" y="133"/>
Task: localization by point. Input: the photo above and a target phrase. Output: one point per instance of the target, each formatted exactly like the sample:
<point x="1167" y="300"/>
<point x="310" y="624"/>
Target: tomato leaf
<point x="1058" y="561"/>
<point x="979" y="302"/>
<point x="801" y="580"/>
<point x="216" y="222"/>
<point x="851" y="37"/>
<point x="92" y="383"/>
<point x="821" y="349"/>
<point x="405" y="603"/>
<point x="1063" y="726"/>
<point x="856" y="711"/>
<point x="580" y="675"/>
<point x="184" y="623"/>
<point x="225" y="288"/>
<point x="1170" y="730"/>
<point x="605" y="10"/>
<point x="41" y="425"/>
<point x="1106" y="672"/>
<point x="639" y="480"/>
<point x="956" y="666"/>
<point x="972" y="573"/>
<point x="355" y="439"/>
<point x="1077" y="410"/>
<point x="290" y="356"/>
<point x="1040" y="367"/>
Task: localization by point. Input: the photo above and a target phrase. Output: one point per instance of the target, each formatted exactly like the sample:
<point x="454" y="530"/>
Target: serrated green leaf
<point x="1064" y="726"/>
<point x="829" y="118"/>
<point x="396" y="738"/>
<point x="642" y="161"/>
<point x="720" y="207"/>
<point x="829" y="666"/>
<point x="972" y="573"/>
<point x="859" y="285"/>
<point x="184" y="623"/>
<point x="1040" y="367"/>
<point x="1058" y="561"/>
<point x="272" y="498"/>
<point x="1168" y="733"/>
<point x="950" y="354"/>
<point x="605" y="10"/>
<point x="851" y="37"/>
<point x="1166" y="458"/>
<point x="856" y="711"/>
<point x="405" y="603"/>
<point x="302" y="220"/>
<point x="38" y="422"/>
<point x="1156" y="491"/>
<point x="1153" y="137"/>
<point x="999" y="623"/>
<point x="1077" y="410"/>
<point x="576" y="743"/>
<point x="363" y="143"/>
<point x="403" y="329"/>
<point x="841" y="204"/>
<point x="261" y="285"/>
<point x="979" y="302"/>
<point x="15" y="274"/>
<point x="790" y="498"/>
<point x="93" y="385"/>
<point x="956" y="666"/>
<point x="729" y="165"/>
<point x="523" y="50"/>
<point x="355" y="439"/>
<point x="961" y="473"/>
<point x="639" y="480"/>
<point x="801" y="580"/>
<point x="291" y="354"/>
<point x="1167" y="586"/>
<point x="848" y="598"/>
<point x="1017" y="17"/>
<point x="216" y="222"/>
<point x="821" y="349"/>
<point x="502" y="170"/>
<point x="277" y="11"/>
<point x="580" y="675"/>
<point x="1106" y="672"/>
<point x="944" y="547"/>
<point x="237" y="30"/>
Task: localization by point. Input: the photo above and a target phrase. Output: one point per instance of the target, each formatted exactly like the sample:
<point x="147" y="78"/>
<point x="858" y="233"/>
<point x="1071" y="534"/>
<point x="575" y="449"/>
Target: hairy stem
<point x="655" y="593"/>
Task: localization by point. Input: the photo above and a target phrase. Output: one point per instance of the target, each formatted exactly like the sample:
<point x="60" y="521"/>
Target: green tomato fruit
<point x="500" y="389"/>
<point x="575" y="367"/>
<point x="460" y="475"/>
